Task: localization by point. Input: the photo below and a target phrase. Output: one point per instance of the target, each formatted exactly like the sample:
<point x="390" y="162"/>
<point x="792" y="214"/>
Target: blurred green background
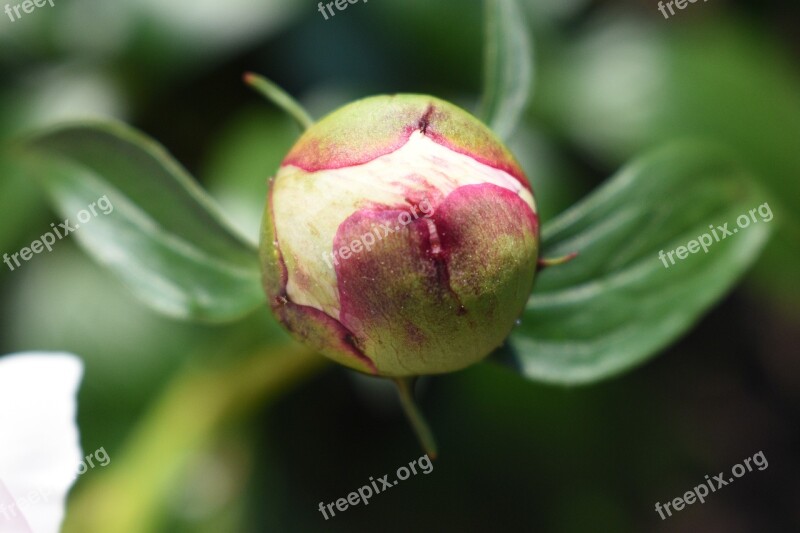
<point x="612" y="79"/>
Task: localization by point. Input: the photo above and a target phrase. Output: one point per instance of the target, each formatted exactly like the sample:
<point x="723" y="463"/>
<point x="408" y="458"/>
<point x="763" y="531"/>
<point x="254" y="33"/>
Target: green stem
<point x="129" y="497"/>
<point x="555" y="261"/>
<point x="280" y="98"/>
<point x="423" y="431"/>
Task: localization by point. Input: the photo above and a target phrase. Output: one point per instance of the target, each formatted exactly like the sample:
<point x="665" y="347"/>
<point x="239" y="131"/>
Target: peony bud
<point x="400" y="237"/>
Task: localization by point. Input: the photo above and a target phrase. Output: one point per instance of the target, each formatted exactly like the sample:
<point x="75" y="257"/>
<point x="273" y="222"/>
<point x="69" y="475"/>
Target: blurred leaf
<point x="616" y="305"/>
<point x="508" y="66"/>
<point x="625" y="85"/>
<point x="164" y="237"/>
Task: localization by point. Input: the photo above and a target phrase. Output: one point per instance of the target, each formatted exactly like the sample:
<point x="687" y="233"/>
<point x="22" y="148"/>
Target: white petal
<point x="39" y="444"/>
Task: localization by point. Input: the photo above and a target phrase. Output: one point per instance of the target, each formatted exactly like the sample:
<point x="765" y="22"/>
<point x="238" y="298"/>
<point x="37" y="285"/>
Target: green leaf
<point x="164" y="237"/>
<point x="616" y="304"/>
<point x="508" y="73"/>
<point x="625" y="85"/>
<point x="608" y="91"/>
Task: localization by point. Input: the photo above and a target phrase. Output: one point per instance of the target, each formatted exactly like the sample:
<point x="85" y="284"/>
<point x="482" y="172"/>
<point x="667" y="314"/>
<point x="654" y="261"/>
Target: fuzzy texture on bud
<point x="400" y="237"/>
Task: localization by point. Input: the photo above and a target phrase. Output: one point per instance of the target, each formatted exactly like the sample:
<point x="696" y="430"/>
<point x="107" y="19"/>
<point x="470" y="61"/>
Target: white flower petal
<point x="39" y="443"/>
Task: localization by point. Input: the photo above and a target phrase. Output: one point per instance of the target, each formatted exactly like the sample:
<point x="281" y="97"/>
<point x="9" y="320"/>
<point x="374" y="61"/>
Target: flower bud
<point x="400" y="237"/>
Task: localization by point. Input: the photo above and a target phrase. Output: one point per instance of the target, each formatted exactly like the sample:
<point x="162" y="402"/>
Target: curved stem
<point x="280" y="98"/>
<point x="130" y="496"/>
<point x="555" y="261"/>
<point x="405" y="387"/>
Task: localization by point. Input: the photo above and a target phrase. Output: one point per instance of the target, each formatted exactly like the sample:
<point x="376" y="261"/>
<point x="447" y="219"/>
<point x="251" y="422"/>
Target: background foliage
<point x="202" y="437"/>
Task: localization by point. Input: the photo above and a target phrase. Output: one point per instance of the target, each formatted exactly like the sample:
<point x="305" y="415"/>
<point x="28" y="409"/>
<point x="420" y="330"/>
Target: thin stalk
<point x="555" y="261"/>
<point x="405" y="388"/>
<point x="280" y="98"/>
